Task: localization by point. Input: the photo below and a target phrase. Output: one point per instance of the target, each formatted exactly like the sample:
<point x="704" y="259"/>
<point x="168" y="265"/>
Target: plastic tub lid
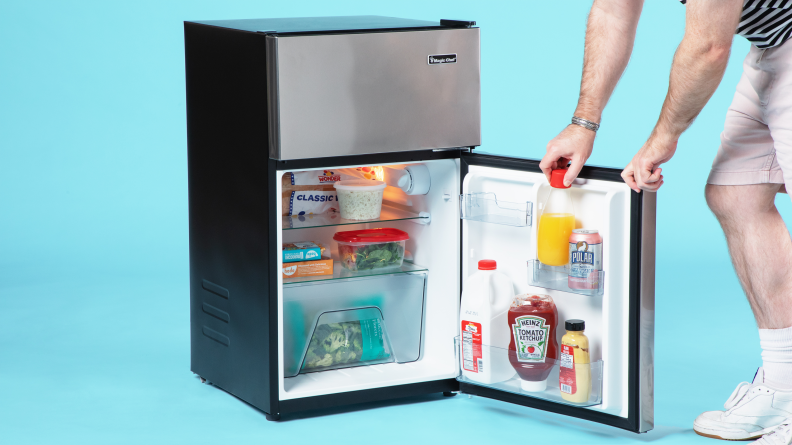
<point x="360" y="185"/>
<point x="371" y="236"/>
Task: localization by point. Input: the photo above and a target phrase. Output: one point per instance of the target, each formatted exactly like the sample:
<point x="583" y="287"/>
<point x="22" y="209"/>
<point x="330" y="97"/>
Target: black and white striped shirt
<point x="765" y="23"/>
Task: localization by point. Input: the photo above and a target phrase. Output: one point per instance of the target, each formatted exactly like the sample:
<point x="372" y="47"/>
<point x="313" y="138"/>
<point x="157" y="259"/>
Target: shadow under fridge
<point x="271" y="99"/>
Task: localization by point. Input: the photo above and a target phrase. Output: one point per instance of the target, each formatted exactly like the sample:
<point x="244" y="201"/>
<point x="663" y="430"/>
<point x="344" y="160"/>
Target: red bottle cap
<point x="557" y="178"/>
<point x="487" y="265"/>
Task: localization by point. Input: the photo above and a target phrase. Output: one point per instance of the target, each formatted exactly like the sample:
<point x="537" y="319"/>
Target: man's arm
<point x="609" y="42"/>
<point x="699" y="64"/>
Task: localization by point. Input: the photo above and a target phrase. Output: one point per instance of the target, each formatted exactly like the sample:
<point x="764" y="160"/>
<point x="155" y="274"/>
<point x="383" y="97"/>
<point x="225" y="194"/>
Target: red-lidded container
<point x="370" y="249"/>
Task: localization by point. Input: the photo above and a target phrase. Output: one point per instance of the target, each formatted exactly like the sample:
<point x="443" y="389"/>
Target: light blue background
<point x="94" y="344"/>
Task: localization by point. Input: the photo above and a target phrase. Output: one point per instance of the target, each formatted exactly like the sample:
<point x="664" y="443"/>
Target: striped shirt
<point x="765" y="23"/>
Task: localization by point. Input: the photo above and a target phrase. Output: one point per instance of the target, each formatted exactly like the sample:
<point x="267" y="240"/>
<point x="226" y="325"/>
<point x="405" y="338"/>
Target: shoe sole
<point x="713" y="436"/>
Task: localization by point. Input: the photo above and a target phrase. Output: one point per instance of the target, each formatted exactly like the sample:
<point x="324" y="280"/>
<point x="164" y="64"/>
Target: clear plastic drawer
<point x="324" y="320"/>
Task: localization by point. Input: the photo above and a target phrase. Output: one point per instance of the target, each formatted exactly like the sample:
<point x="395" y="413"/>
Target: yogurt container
<point x="360" y="199"/>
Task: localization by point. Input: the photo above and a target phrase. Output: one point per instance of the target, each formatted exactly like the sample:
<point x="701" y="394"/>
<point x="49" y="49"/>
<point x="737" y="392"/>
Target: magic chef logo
<point x="439" y="59"/>
<point x="581" y="254"/>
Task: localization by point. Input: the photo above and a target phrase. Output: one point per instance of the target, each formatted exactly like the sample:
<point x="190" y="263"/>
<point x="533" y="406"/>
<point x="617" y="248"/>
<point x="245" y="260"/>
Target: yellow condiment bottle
<point x="574" y="378"/>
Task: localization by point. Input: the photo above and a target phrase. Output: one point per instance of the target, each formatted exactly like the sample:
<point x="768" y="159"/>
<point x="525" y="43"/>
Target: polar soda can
<point x="585" y="259"/>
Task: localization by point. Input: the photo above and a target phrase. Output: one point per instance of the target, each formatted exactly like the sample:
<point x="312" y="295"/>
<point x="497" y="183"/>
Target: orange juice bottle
<point x="556" y="223"/>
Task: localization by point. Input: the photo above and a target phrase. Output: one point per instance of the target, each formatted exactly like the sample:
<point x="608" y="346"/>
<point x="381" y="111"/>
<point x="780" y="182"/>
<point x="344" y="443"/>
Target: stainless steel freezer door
<point x="350" y="94"/>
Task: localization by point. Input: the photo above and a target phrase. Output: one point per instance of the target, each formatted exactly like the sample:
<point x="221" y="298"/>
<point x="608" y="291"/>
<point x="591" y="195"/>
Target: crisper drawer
<point x="361" y="93"/>
<point x="325" y="322"/>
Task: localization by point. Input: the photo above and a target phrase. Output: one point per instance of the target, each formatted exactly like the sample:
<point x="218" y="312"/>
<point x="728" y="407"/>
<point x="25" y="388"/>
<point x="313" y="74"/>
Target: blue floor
<point x="105" y="359"/>
<point x="94" y="322"/>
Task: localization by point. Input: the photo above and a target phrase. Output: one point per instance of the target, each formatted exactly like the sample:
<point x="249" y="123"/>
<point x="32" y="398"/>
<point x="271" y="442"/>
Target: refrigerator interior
<point x="435" y="251"/>
<point x="433" y="247"/>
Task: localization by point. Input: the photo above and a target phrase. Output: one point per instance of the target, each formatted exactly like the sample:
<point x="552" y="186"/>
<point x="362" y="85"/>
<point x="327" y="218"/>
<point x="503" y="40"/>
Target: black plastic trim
<point x="632" y="421"/>
<point x="274" y="251"/>
<point x="367" y="159"/>
<point x="457" y="23"/>
<point x="367" y="395"/>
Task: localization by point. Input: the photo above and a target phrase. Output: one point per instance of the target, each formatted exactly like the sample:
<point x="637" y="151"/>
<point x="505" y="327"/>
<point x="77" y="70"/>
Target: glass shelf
<point x="334" y="219"/>
<point x="557" y="278"/>
<point x="503" y="377"/>
<point x="485" y="207"/>
<point x="339" y="273"/>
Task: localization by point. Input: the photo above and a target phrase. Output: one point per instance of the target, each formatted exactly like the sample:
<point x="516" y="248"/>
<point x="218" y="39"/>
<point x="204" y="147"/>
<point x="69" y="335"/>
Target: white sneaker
<point x="779" y="436"/>
<point x="753" y="410"/>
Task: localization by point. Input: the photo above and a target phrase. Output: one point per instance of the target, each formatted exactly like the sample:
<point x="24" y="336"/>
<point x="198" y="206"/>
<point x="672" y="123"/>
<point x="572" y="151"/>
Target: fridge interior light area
<point x="435" y="247"/>
<point x="268" y="97"/>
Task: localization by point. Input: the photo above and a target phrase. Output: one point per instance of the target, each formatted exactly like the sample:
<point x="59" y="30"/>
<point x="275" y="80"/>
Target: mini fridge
<point x="396" y="98"/>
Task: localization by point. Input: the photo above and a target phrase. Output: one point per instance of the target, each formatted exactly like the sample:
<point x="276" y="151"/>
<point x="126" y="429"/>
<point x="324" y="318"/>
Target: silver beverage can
<point x="585" y="259"/>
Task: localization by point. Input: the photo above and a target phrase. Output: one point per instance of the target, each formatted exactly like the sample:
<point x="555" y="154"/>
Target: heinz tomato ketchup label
<point x="471" y="346"/>
<point x="530" y="338"/>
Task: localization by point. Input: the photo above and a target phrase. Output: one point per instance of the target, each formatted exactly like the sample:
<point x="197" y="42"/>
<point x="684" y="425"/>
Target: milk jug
<point x="484" y="333"/>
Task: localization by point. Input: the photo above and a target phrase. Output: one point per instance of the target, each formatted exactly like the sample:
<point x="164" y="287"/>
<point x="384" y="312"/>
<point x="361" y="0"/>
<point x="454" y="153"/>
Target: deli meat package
<point x="312" y="191"/>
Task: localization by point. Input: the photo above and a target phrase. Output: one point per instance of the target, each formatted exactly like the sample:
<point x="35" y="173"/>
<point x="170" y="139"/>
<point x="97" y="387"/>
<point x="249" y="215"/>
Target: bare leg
<point x="760" y="248"/>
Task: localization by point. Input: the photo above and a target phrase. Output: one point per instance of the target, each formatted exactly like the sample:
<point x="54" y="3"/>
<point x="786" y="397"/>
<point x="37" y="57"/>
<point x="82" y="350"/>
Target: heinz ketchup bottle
<point x="533" y="348"/>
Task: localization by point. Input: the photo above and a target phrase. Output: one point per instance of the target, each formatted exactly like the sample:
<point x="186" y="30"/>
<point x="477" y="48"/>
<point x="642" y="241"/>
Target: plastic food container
<point x="360" y="199"/>
<point x="371" y="249"/>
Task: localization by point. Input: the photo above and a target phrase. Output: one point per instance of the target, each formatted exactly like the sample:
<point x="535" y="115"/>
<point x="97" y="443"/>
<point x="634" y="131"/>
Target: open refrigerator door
<point x="502" y="206"/>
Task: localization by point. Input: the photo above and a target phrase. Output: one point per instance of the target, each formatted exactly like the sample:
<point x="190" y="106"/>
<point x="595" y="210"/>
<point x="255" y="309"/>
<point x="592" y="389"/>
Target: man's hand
<point x="643" y="172"/>
<point x="574" y="143"/>
<point x="697" y="70"/>
<point x="610" y="33"/>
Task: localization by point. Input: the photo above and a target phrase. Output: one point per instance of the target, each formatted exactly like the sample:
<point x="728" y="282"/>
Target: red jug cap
<point x="557" y="178"/>
<point x="487" y="265"/>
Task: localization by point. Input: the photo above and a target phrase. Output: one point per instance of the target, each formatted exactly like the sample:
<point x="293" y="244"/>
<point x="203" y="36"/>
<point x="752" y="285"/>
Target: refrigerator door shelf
<point x="486" y="207"/>
<point x="499" y="360"/>
<point x="557" y="278"/>
<point x="387" y="214"/>
<point x="340" y="273"/>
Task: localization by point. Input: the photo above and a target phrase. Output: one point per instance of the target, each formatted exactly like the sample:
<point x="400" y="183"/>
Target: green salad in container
<point x="362" y="250"/>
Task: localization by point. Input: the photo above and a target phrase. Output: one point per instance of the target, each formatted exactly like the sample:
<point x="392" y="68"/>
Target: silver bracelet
<point x="585" y="124"/>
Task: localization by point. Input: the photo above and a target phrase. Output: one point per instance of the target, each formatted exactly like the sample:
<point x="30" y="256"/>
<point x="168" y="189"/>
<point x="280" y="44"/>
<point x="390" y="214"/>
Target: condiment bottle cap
<point x="487" y="265"/>
<point x="575" y="325"/>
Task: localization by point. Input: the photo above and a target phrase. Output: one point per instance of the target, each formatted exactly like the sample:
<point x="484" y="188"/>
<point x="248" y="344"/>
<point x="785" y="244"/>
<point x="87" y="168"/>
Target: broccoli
<point x="336" y="344"/>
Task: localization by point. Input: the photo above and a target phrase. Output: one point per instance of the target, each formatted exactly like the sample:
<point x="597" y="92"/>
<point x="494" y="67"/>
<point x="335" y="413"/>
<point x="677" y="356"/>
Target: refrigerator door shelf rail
<point x="486" y="207"/>
<point x="557" y="278"/>
<point x="388" y="213"/>
<point x="509" y="381"/>
<point x="339" y="273"/>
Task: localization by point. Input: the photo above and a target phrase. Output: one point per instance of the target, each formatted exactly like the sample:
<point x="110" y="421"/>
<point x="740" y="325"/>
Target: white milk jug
<point x="486" y="297"/>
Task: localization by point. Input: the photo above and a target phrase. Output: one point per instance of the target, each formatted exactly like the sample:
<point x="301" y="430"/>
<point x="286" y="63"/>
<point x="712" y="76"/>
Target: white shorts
<point x="756" y="143"/>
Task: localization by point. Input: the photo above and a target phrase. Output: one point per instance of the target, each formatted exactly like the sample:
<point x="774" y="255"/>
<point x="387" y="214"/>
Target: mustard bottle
<point x="574" y="378"/>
